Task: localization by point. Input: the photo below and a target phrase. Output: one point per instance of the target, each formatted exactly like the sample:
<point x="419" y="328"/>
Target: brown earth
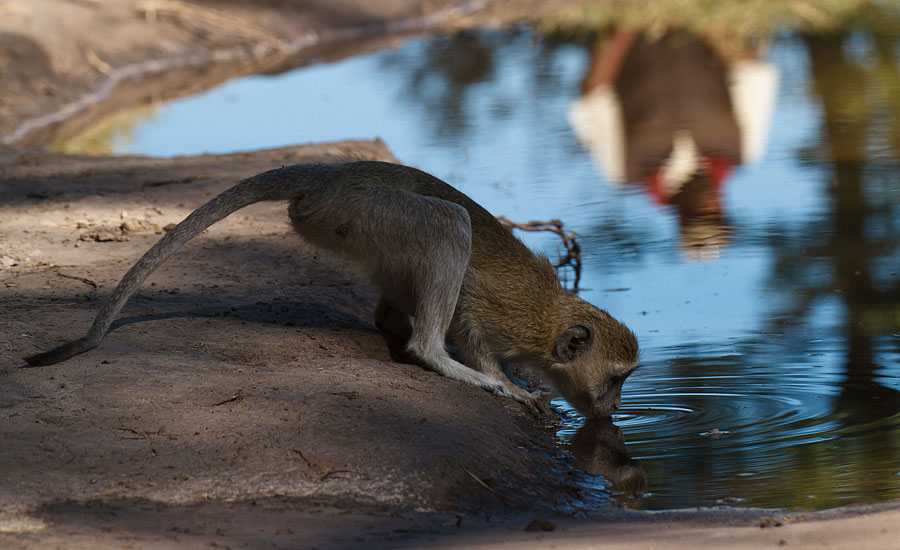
<point x="247" y="368"/>
<point x="245" y="399"/>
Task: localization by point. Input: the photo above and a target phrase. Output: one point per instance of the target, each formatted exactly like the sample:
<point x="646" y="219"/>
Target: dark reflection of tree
<point x="860" y="101"/>
<point x="449" y="77"/>
<point x="442" y="74"/>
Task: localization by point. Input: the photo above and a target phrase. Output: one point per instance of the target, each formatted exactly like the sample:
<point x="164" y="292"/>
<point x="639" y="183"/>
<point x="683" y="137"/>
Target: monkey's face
<point x="592" y="361"/>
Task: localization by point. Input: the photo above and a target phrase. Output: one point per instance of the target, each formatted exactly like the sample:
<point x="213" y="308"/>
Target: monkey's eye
<point x="626" y="370"/>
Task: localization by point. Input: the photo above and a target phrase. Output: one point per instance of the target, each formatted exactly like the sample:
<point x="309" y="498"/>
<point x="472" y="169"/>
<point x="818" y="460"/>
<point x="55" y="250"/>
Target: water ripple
<point x="746" y="440"/>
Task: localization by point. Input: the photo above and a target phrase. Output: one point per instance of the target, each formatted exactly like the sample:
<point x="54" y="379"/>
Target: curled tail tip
<point x="59" y="354"/>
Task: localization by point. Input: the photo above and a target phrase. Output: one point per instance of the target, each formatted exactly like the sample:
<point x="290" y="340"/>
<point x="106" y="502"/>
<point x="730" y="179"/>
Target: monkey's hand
<point x="533" y="403"/>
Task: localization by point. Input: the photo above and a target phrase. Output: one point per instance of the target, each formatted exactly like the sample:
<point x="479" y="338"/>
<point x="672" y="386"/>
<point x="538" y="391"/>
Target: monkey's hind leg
<point x="391" y="320"/>
<point x="427" y="345"/>
<point x="416" y="249"/>
<point x="397" y="328"/>
<point x="438" y="276"/>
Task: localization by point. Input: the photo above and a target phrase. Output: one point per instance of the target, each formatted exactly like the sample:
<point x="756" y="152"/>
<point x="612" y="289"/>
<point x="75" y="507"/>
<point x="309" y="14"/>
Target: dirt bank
<point x="247" y="367"/>
<point x="106" y="56"/>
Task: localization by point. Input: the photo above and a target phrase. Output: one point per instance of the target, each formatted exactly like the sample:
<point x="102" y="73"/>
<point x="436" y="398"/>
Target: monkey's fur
<point x="448" y="273"/>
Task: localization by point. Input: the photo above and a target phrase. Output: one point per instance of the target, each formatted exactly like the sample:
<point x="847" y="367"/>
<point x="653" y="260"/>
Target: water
<point x="764" y="294"/>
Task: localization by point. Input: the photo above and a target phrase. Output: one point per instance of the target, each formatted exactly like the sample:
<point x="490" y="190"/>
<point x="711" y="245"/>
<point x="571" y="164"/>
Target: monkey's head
<point x="592" y="358"/>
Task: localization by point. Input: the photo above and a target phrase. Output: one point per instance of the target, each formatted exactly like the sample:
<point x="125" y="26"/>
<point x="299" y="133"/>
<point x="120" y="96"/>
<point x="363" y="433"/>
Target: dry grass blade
<point x="98" y="64"/>
<point x="483" y="484"/>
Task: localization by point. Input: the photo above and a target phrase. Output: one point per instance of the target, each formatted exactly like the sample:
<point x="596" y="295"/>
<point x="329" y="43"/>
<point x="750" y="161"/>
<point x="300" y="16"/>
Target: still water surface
<point x="754" y="253"/>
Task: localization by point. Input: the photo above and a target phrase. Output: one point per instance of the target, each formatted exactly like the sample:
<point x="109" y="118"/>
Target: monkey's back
<point x="491" y="242"/>
<point x="507" y="287"/>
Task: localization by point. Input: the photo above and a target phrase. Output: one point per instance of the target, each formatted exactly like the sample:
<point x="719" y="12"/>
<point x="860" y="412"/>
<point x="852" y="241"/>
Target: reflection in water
<point x="599" y="449"/>
<point x="442" y="79"/>
<point x="787" y="343"/>
<point x="799" y="449"/>
<point x="103" y="136"/>
<point x="854" y="125"/>
<point x="676" y="114"/>
<point x="781" y="441"/>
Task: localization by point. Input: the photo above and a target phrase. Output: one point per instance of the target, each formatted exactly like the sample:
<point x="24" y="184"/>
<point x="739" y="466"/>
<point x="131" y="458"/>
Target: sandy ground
<point x="248" y="367"/>
<point x="245" y="400"/>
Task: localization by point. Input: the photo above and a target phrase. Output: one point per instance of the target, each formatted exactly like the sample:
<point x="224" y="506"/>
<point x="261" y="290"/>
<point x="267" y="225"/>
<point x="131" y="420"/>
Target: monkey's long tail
<point x="279" y="184"/>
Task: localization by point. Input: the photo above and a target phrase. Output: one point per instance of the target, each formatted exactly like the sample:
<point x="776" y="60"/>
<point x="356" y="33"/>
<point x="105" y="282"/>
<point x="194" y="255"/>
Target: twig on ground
<point x="139" y="434"/>
<point x="300" y="453"/>
<point x="329" y="473"/>
<point x="85" y="281"/>
<point x="236" y="397"/>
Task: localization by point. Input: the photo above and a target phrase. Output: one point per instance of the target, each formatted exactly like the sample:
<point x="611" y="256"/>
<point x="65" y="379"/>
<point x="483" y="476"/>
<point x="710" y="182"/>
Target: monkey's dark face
<point x="601" y="399"/>
<point x="592" y="362"/>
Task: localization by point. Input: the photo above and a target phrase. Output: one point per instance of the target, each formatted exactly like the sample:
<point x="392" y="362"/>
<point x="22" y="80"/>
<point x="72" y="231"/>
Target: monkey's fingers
<point x="532" y="402"/>
<point x="60" y="353"/>
<point x="542" y="407"/>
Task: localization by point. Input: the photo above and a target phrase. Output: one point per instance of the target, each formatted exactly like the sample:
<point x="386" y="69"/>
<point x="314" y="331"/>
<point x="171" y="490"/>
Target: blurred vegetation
<point x="859" y="146"/>
<point x="732" y="19"/>
<point x="101" y="136"/>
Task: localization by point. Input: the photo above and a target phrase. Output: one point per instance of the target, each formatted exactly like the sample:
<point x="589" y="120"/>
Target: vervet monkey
<point x="447" y="270"/>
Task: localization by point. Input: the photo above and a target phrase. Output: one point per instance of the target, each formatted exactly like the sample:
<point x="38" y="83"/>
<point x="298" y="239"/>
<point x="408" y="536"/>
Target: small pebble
<point x="541" y="525"/>
<point x="770" y="521"/>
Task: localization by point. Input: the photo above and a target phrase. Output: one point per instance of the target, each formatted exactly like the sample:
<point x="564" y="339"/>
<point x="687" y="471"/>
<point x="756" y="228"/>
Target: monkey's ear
<point x="573" y="342"/>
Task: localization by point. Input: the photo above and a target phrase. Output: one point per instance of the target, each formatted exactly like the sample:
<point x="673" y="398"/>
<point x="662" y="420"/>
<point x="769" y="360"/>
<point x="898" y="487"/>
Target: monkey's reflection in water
<point x="599" y="449"/>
